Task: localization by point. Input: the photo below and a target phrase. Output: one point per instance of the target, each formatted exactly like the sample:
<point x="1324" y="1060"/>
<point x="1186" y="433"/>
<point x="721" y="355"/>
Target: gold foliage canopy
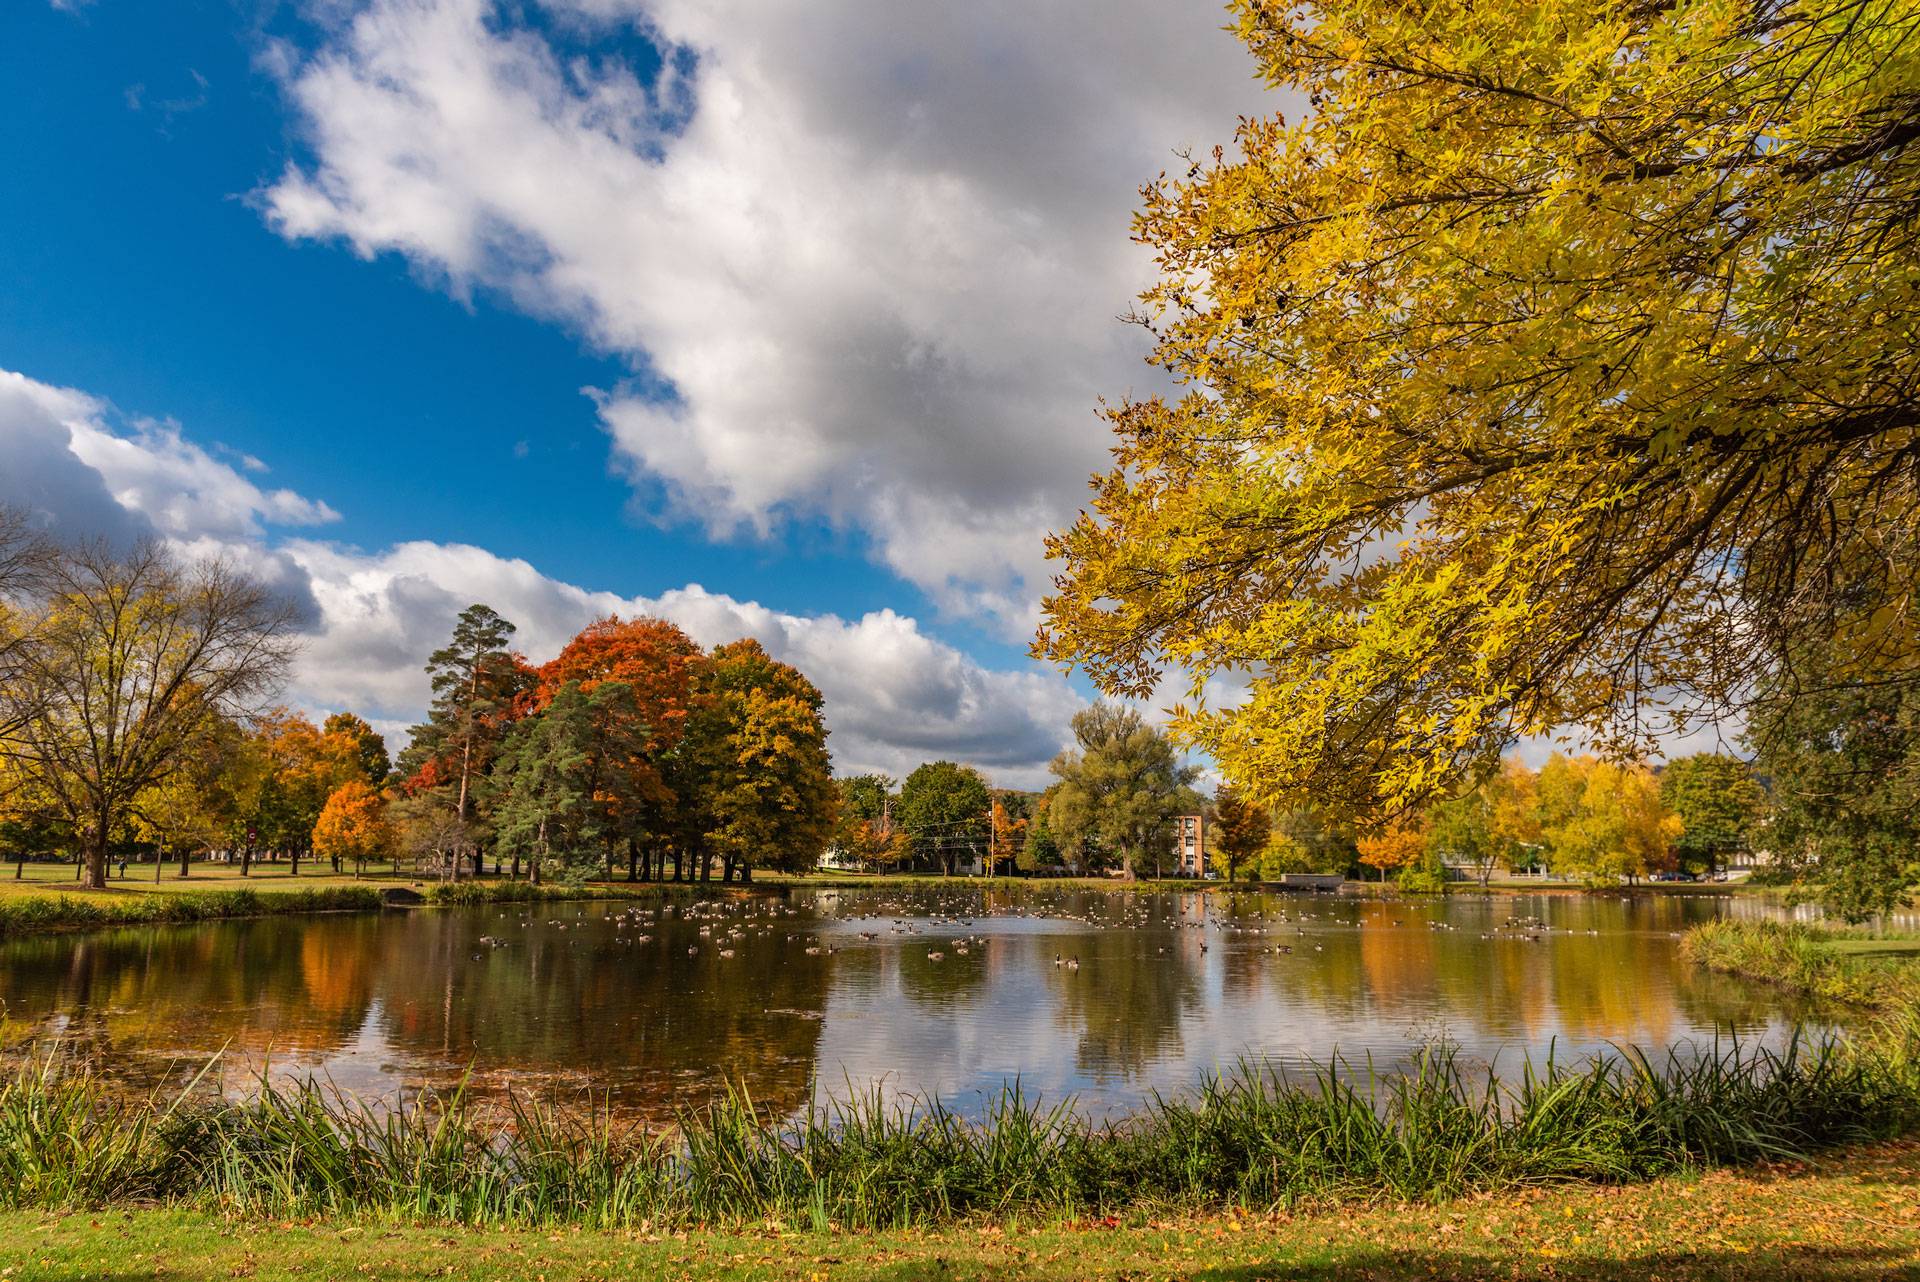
<point x="1558" y="368"/>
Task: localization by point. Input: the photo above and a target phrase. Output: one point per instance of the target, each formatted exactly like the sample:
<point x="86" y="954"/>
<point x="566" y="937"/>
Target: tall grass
<point x="33" y="914"/>
<point x="1255" y="1138"/>
<point x="1801" y="957"/>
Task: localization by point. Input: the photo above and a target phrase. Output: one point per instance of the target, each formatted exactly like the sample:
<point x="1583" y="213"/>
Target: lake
<point x="1104" y="995"/>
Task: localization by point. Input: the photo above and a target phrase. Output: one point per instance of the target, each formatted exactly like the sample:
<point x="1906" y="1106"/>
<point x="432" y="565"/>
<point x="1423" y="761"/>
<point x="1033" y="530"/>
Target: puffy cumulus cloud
<point x="865" y="258"/>
<point x="895" y="696"/>
<point x="182" y="489"/>
<point x="43" y="477"/>
<point x="79" y="473"/>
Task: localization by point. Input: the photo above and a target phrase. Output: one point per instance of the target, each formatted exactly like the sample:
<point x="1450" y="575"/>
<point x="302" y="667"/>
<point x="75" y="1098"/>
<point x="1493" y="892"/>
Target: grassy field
<point x="49" y="878"/>
<point x="57" y="879"/>
<point x="44" y="879"/>
<point x="1854" y="1215"/>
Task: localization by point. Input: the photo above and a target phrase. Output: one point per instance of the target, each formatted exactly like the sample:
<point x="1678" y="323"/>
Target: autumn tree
<point x="1240" y="830"/>
<point x="865" y="826"/>
<point x="353" y="826"/>
<point x="1119" y="786"/>
<point x="206" y="798"/>
<point x="1313" y="842"/>
<point x="1007" y="838"/>
<point x="659" y="664"/>
<point x="1041" y="849"/>
<point x="1460" y="830"/>
<point x="1394" y="847"/>
<point x="1513" y="815"/>
<point x="765" y="779"/>
<point x="944" y="806"/>
<point x="1602" y="821"/>
<point x="1284" y="853"/>
<point x="1555" y="369"/>
<point x="300" y="766"/>
<point x="132" y="653"/>
<point x="370" y="746"/>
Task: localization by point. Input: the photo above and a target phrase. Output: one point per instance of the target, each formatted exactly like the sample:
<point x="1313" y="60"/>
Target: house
<point x="1189" y="845"/>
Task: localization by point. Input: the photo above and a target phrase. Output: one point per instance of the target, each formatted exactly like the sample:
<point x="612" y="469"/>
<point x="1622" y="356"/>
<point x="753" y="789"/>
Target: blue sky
<point x="801" y="331"/>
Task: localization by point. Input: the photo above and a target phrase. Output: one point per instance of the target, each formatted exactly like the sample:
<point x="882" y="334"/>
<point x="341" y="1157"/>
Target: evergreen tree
<point x="476" y="682"/>
<point x="544" y="780"/>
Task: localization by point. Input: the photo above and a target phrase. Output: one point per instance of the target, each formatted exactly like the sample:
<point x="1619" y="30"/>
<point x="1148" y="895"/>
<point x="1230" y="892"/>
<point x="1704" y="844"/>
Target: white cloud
<point x="895" y="696"/>
<point x="184" y="490"/>
<point x="873" y="250"/>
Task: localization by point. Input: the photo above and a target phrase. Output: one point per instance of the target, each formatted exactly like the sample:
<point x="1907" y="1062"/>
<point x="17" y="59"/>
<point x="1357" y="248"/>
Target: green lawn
<point x="1897" y="946"/>
<point x="55" y="879"/>
<point x="44" y="879"/>
<point x="1856" y="1215"/>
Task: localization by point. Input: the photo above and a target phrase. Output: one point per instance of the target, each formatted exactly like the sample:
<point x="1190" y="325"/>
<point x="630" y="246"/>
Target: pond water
<point x="819" y="992"/>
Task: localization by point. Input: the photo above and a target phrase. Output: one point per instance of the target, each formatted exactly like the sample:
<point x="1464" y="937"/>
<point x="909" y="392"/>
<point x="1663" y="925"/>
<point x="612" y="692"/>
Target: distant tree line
<point x="1109" y="809"/>
<point x="135" y="721"/>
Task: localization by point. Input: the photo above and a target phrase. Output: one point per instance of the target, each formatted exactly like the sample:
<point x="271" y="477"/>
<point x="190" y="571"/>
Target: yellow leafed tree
<point x="1558" y="366"/>
<point x="353" y="826"/>
<point x="1398" y="845"/>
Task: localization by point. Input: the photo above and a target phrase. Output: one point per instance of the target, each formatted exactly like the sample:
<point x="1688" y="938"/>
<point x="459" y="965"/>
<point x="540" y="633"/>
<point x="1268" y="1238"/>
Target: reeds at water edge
<point x="1256" y="1138"/>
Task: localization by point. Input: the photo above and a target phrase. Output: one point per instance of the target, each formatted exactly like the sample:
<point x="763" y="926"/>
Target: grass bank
<point x="30" y="914"/>
<point x="1252" y="1142"/>
<point x="1852" y="1215"/>
<point x="1835" y="966"/>
<point x="42" y="913"/>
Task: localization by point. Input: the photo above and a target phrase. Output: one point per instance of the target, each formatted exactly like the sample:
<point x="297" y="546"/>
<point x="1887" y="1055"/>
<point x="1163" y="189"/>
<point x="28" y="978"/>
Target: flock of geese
<point x="725" y="923"/>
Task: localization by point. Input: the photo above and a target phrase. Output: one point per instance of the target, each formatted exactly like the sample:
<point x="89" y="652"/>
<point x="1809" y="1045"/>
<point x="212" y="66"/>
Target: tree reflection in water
<point x="826" y="991"/>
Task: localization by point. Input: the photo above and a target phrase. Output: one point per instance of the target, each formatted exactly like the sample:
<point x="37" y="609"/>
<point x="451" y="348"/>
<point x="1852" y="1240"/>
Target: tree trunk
<point x="246" y="860"/>
<point x="294" y="866"/>
<point x="97" y="857"/>
<point x="726" y="868"/>
<point x="633" y="860"/>
<point x="185" y="854"/>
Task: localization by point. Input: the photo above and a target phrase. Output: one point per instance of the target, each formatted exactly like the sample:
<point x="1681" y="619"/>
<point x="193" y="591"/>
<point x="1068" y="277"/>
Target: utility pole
<point x="993" y="834"/>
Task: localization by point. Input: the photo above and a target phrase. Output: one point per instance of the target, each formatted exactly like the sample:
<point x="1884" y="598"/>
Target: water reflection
<point x="947" y="992"/>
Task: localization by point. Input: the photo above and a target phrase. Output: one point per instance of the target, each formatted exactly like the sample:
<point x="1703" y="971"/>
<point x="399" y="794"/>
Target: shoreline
<point x="41" y="908"/>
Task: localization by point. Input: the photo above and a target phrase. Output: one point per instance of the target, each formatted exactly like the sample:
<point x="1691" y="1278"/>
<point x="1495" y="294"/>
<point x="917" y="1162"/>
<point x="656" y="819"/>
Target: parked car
<point x="1675" y="875"/>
